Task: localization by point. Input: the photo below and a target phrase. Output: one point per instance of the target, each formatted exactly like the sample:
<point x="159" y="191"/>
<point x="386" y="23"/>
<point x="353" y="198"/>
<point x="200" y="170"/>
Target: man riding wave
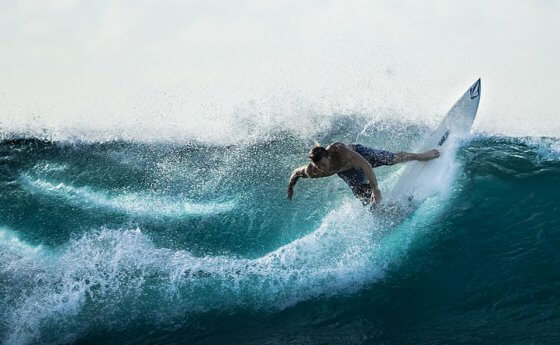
<point x="353" y="163"/>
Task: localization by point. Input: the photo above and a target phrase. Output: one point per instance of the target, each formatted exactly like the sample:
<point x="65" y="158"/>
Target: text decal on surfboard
<point x="444" y="138"/>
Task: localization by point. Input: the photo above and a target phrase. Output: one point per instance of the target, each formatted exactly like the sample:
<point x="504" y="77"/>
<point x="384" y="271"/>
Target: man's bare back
<point x="353" y="163"/>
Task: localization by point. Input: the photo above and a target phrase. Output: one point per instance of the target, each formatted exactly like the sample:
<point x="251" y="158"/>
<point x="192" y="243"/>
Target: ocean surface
<point x="187" y="242"/>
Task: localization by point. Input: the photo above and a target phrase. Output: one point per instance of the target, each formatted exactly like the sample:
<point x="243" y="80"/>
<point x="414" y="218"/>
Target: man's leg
<point x="355" y="180"/>
<point x="402" y="157"/>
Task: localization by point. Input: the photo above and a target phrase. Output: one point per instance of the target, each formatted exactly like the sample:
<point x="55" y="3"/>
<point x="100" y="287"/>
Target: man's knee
<point x="398" y="158"/>
<point x="402" y="157"/>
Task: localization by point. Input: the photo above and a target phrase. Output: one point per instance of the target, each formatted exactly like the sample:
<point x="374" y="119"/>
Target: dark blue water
<point x="187" y="243"/>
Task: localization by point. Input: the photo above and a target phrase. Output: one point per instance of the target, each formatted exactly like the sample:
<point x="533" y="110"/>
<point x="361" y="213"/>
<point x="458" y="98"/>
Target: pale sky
<point x="211" y="69"/>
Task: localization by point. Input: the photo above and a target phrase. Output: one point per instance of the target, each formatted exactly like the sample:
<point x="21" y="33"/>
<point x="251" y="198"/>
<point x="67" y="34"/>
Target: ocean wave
<point x="125" y="277"/>
<point x="110" y="278"/>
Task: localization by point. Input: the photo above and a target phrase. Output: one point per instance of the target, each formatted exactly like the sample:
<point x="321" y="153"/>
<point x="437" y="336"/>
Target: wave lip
<point x="139" y="204"/>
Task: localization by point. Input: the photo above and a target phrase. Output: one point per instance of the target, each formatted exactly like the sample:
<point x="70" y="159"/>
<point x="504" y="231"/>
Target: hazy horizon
<point x="201" y="68"/>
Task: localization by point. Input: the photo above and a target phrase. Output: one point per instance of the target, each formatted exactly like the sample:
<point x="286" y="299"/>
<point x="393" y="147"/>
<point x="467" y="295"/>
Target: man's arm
<point x="296" y="174"/>
<point x="306" y="171"/>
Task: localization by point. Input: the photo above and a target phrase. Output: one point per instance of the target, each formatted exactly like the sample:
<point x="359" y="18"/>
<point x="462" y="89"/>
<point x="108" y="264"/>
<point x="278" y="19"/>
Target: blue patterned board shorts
<point x="355" y="177"/>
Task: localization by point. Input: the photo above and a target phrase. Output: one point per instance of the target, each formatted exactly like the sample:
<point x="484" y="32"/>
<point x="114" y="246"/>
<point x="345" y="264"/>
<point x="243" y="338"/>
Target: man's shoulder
<point x="312" y="171"/>
<point x="310" y="168"/>
<point x="337" y="146"/>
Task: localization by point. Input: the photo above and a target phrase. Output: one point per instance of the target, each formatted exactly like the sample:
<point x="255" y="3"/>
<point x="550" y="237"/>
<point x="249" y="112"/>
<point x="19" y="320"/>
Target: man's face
<point x="324" y="164"/>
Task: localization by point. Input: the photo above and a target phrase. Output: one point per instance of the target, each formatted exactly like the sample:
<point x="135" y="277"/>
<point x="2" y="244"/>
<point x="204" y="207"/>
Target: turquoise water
<point x="124" y="242"/>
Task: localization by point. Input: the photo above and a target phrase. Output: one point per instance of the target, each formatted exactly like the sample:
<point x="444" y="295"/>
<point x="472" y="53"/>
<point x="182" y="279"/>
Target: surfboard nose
<point x="475" y="89"/>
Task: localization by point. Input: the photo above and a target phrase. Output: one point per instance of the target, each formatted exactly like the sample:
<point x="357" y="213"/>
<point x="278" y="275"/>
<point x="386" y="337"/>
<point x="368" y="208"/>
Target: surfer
<point x="353" y="163"/>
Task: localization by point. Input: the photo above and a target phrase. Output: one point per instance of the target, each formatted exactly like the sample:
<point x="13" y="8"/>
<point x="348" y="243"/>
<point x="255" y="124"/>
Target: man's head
<point x="320" y="157"/>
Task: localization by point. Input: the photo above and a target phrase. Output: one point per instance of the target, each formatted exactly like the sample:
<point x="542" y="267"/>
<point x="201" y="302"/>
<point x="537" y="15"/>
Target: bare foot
<point x="428" y="155"/>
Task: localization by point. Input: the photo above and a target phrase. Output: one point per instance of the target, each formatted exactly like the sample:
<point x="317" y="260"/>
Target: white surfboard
<point x="420" y="180"/>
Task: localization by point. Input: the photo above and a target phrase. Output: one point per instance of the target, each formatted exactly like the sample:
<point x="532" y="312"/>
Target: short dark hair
<point x="317" y="153"/>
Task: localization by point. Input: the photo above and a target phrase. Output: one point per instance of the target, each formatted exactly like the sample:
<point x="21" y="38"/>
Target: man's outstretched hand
<point x="290" y="193"/>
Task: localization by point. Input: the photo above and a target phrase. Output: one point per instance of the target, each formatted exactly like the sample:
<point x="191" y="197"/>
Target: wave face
<point x="126" y="242"/>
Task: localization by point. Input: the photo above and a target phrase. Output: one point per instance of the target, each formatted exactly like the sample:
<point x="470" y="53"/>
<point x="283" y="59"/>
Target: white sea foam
<point x="121" y="276"/>
<point x="141" y="204"/>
